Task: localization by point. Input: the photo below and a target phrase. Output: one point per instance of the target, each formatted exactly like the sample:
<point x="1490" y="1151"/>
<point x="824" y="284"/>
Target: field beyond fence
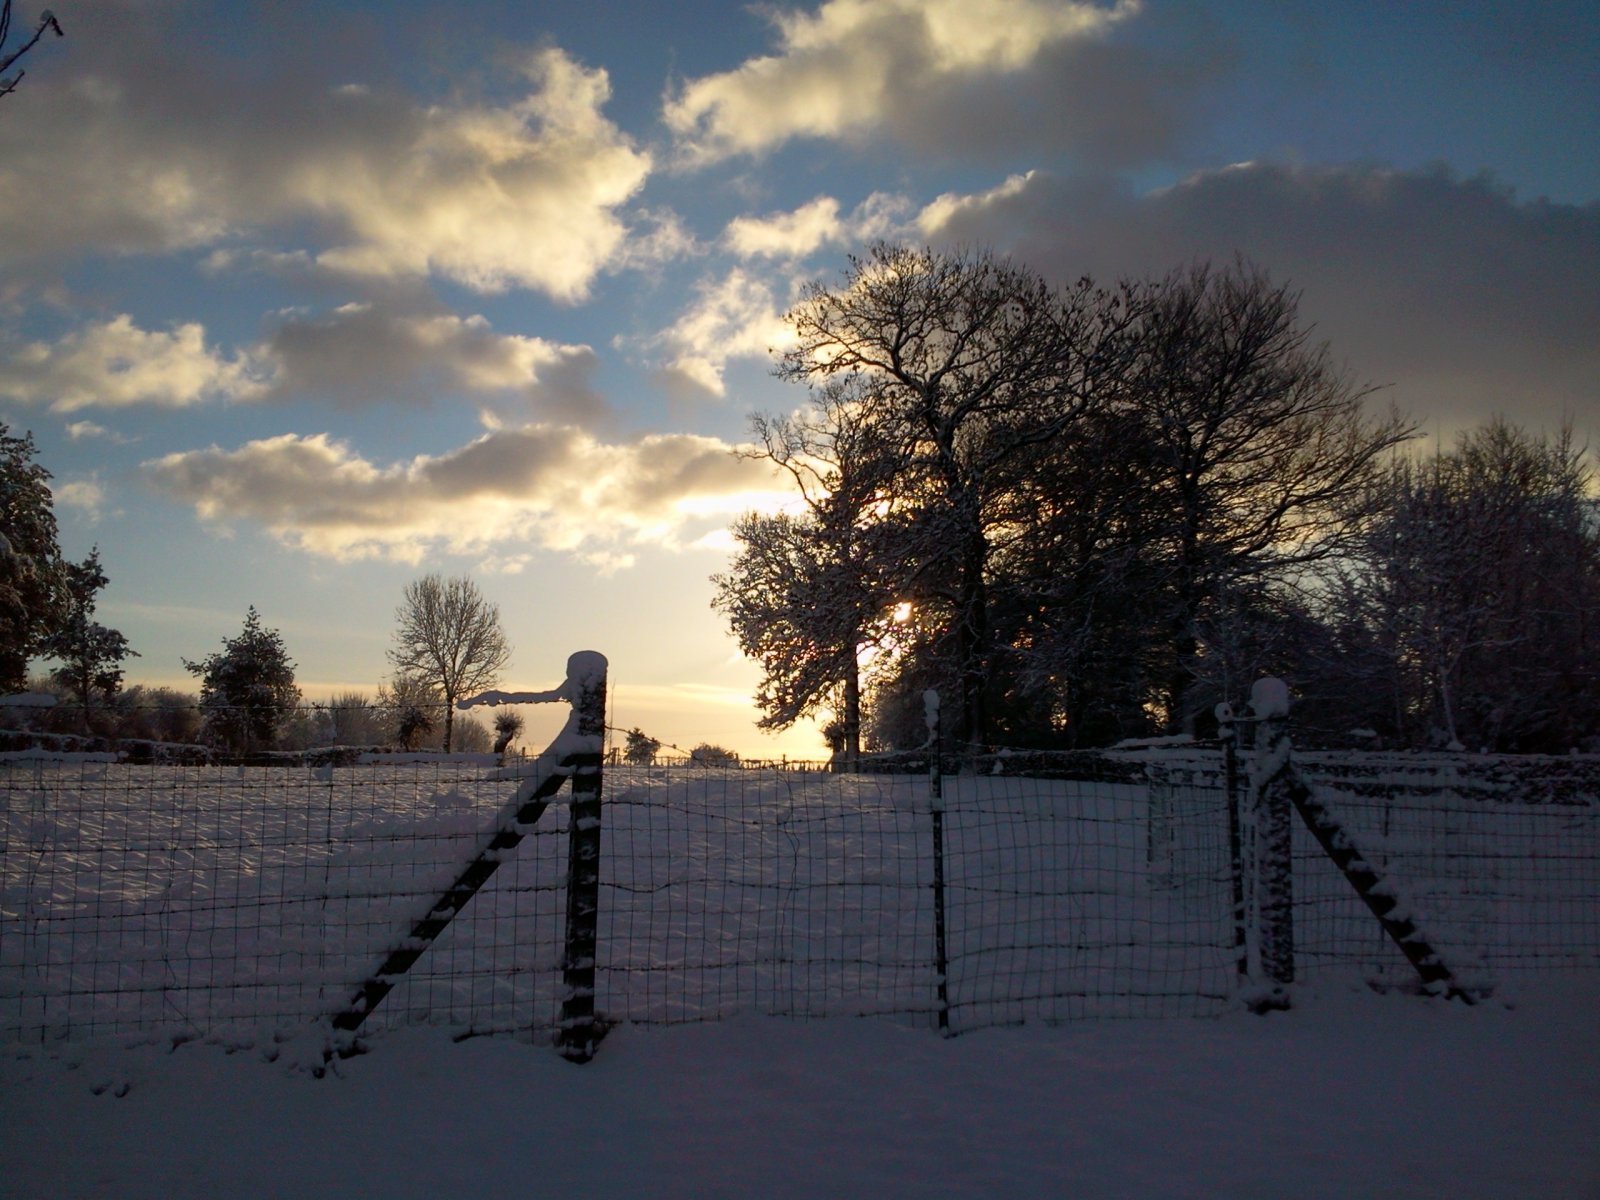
<point x="224" y="901"/>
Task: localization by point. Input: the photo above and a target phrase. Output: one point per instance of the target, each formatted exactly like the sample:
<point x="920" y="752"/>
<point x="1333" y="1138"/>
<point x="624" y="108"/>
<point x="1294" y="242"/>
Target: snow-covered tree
<point x="449" y="636"/>
<point x="354" y="720"/>
<point x="1477" y="591"/>
<point x="411" y="706"/>
<point x="809" y="594"/>
<point x="247" y="689"/>
<point x="32" y="581"/>
<point x="708" y="754"/>
<point x="90" y="655"/>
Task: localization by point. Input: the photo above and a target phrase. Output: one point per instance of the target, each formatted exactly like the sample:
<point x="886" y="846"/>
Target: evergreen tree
<point x="32" y="582"/>
<point x="641" y="749"/>
<point x="90" y="654"/>
<point x="247" y="689"/>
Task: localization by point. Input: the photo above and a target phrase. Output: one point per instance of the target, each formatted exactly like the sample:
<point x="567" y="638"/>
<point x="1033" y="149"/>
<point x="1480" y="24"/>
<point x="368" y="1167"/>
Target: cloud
<point x="355" y="354"/>
<point x="942" y="76"/>
<point x="146" y="149"/>
<point x="81" y="430"/>
<point x="115" y="364"/>
<point x="818" y="223"/>
<point x="545" y="486"/>
<point x="365" y="353"/>
<point x="88" y="496"/>
<point x="1465" y="298"/>
<point x="736" y="316"/>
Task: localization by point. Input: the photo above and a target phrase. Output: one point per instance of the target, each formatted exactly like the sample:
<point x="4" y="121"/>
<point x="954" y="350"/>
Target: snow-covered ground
<point x="1350" y="1094"/>
<point x="159" y="942"/>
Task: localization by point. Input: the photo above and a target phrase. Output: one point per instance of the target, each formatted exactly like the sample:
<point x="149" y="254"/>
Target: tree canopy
<point x="1050" y="503"/>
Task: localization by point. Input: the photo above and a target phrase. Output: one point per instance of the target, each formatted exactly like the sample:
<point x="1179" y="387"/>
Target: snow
<point x="1269" y="698"/>
<point x="1349" y="1094"/>
<point x="28" y="700"/>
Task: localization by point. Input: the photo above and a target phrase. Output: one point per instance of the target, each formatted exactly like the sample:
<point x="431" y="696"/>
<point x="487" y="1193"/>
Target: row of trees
<point x="1090" y="513"/>
<point x="448" y="643"/>
<point x="249" y="699"/>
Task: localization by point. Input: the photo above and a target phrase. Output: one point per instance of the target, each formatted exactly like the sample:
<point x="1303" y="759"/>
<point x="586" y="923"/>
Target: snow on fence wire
<point x="225" y="901"/>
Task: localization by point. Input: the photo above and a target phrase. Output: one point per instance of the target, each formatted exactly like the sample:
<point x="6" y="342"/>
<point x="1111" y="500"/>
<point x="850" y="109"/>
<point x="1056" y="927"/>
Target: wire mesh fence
<point x="224" y="900"/>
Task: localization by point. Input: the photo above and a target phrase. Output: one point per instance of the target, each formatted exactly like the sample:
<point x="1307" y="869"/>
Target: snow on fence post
<point x="1228" y="735"/>
<point x="941" y="960"/>
<point x="575" y="754"/>
<point x="579" y="1032"/>
<point x="1271" y="813"/>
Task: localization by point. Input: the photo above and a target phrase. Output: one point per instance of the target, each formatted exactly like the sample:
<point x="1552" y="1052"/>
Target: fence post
<point x="1228" y="735"/>
<point x="1270" y="781"/>
<point x="941" y="958"/>
<point x="579" y="1032"/>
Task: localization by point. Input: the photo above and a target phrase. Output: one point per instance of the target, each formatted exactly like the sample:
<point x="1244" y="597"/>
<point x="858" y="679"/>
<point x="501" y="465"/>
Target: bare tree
<point x="808" y="594"/>
<point x="450" y="637"/>
<point x="1261" y="448"/>
<point x="966" y="360"/>
<point x="47" y="21"/>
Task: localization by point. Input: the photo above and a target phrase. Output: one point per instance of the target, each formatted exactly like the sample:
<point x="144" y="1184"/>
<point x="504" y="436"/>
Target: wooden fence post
<point x="1271" y="809"/>
<point x="579" y="1032"/>
<point x="1228" y="735"/>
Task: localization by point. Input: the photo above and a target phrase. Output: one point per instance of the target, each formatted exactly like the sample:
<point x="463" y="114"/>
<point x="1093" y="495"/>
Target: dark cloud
<point x="362" y="354"/>
<point x="1466" y="299"/>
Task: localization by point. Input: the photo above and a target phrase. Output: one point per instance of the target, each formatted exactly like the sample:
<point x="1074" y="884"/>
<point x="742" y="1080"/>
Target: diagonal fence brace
<point x="1379" y="897"/>
<point x="575" y="755"/>
<point x="450" y="902"/>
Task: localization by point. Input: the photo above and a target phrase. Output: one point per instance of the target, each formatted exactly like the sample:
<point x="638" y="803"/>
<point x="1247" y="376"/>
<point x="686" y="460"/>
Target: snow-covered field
<point x="1349" y="1095"/>
<point x="169" y="938"/>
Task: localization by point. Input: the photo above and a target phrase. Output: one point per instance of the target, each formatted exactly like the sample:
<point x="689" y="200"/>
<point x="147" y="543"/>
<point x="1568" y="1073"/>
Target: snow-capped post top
<point x="930" y="710"/>
<point x="1269" y="698"/>
<point x="586" y="670"/>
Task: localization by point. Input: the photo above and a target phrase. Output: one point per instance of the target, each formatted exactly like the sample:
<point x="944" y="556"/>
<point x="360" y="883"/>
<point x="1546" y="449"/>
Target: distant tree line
<point x="447" y="643"/>
<point x="1090" y="513"/>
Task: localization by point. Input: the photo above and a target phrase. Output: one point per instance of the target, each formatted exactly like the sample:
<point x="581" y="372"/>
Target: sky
<point x="303" y="301"/>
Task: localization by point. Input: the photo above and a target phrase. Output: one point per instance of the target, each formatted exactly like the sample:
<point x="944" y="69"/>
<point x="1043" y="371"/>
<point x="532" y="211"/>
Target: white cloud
<point x="949" y="208"/>
<point x="818" y="223"/>
<point x="735" y="317"/>
<point x="88" y="496"/>
<point x="855" y="65"/>
<point x="90" y="430"/>
<point x="115" y="364"/>
<point x="787" y="235"/>
<point x="550" y="487"/>
<point x="520" y="196"/>
<point x="159" y="152"/>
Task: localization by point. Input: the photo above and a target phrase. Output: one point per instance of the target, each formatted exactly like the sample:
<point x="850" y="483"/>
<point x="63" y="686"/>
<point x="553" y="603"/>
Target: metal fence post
<point x="579" y="1032"/>
<point x="1270" y="781"/>
<point x="941" y="958"/>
